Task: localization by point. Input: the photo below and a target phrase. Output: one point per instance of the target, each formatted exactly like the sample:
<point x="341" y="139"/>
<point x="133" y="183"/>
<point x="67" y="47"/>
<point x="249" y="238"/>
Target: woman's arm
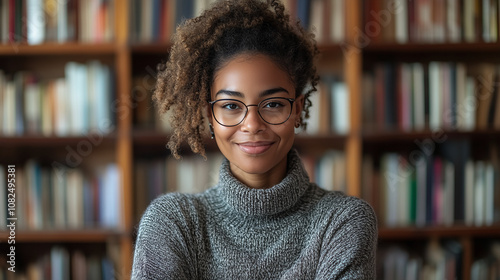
<point x="161" y="249"/>
<point x="349" y="244"/>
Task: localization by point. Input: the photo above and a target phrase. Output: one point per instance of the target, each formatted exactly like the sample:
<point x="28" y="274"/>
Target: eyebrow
<point x="262" y="94"/>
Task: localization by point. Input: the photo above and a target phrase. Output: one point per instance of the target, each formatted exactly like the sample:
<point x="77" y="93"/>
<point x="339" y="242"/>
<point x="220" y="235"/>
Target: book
<point x="3" y="197"/>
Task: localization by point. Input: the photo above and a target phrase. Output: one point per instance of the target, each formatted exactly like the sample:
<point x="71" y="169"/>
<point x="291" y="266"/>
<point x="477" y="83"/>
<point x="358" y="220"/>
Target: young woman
<point x="245" y="66"/>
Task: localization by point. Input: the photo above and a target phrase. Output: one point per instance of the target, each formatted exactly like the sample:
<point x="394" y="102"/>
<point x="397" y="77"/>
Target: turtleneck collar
<point x="249" y="201"/>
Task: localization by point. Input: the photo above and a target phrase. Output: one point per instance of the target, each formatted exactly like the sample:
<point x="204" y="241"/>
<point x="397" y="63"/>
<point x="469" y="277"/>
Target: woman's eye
<point x="230" y="106"/>
<point x="273" y="104"/>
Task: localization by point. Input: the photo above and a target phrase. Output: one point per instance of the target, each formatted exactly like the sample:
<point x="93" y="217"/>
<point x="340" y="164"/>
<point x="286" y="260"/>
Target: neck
<point x="261" y="181"/>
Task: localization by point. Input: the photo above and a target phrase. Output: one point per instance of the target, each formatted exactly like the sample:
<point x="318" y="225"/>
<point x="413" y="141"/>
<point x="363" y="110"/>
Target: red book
<point x="12" y="20"/>
<point x="163" y="21"/>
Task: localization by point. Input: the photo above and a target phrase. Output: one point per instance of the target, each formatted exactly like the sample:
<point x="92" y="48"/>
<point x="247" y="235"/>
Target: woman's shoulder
<point x="340" y="204"/>
<point x="175" y="205"/>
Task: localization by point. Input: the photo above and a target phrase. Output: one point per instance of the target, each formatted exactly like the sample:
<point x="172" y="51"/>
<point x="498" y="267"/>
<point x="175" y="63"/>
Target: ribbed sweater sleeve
<point x="349" y="245"/>
<point x="161" y="250"/>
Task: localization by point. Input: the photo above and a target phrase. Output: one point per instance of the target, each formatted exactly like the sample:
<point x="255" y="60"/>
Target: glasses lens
<point x="229" y="112"/>
<point x="275" y="110"/>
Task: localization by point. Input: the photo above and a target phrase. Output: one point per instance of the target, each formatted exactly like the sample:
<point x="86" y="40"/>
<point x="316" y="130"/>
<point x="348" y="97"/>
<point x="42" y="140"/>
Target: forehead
<point x="251" y="74"/>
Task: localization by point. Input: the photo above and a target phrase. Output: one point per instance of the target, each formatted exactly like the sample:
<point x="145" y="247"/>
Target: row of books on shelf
<point x="325" y="18"/>
<point x="61" y="263"/>
<point x="156" y="20"/>
<point x="328" y="171"/>
<point x="435" y="190"/>
<point x="441" y="260"/>
<point x="38" y="21"/>
<point x="76" y="104"/>
<point x="427" y="21"/>
<point x="330" y="108"/>
<point x="154" y="177"/>
<point x="145" y="115"/>
<point x="416" y="96"/>
<point x="191" y="174"/>
<point x="59" y="198"/>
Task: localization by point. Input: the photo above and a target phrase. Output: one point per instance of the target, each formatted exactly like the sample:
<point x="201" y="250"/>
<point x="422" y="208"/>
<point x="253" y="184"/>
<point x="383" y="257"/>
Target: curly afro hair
<point x="204" y="44"/>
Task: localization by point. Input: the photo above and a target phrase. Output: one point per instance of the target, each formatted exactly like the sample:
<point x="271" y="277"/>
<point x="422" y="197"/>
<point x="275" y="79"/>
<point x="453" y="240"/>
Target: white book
<point x="390" y="184"/>
<point x="435" y="96"/>
<point x="403" y="198"/>
<point x="4" y="21"/>
<point x="59" y="259"/>
<point x="110" y="203"/>
<point x="337" y="20"/>
<point x="486" y="20"/>
<point x="9" y="109"/>
<point x="62" y="115"/>
<point x="146" y="23"/>
<point x="317" y="19"/>
<point x="59" y="198"/>
<point x="453" y="21"/>
<point x="325" y="171"/>
<point x="62" y="21"/>
<point x="215" y="160"/>
<point x="74" y="198"/>
<point x="35" y="22"/>
<point x="418" y="96"/>
<point x="199" y="7"/>
<point x="493" y="21"/>
<point x="469" y="193"/>
<point x="479" y="194"/>
<point x="470" y="104"/>
<point x="103" y="99"/>
<point x="401" y="21"/>
<point x="93" y="73"/>
<point x="32" y="108"/>
<point x="468" y="21"/>
<point x="48" y="108"/>
<point x="340" y="108"/>
<point x="3" y="197"/>
<point x="186" y="182"/>
<point x="489" y="194"/>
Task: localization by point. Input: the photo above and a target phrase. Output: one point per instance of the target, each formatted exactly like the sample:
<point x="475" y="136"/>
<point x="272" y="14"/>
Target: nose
<point x="253" y="123"/>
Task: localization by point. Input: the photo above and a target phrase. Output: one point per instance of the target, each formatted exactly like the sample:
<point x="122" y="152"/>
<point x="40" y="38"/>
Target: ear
<point x="299" y="105"/>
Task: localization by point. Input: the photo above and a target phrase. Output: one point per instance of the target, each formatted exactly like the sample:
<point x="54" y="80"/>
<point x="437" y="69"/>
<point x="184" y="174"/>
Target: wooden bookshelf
<point x="128" y="143"/>
<point x="65" y="236"/>
<point x="21" y="49"/>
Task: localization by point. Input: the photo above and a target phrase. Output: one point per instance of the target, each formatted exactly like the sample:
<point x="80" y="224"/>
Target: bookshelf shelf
<point x="64" y="236"/>
<point x="42" y="141"/>
<point x="409" y="233"/>
<point x="375" y="48"/>
<point x="18" y="49"/>
<point x="149" y="48"/>
<point x="374" y="137"/>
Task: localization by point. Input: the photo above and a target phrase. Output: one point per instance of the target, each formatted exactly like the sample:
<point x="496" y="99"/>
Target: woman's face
<point x="256" y="150"/>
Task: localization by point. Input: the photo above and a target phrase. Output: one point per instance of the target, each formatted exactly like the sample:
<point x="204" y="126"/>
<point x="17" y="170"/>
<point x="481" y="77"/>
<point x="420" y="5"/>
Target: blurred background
<point x="407" y="117"/>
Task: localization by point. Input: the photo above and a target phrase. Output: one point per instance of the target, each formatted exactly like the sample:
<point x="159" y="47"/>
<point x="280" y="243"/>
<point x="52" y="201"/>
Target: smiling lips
<point x="255" y="147"/>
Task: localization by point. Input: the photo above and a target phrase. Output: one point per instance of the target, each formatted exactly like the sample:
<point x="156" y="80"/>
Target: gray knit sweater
<point x="294" y="230"/>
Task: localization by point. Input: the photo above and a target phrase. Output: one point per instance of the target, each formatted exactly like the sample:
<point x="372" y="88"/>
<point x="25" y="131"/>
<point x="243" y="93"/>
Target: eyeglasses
<point x="231" y="112"/>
